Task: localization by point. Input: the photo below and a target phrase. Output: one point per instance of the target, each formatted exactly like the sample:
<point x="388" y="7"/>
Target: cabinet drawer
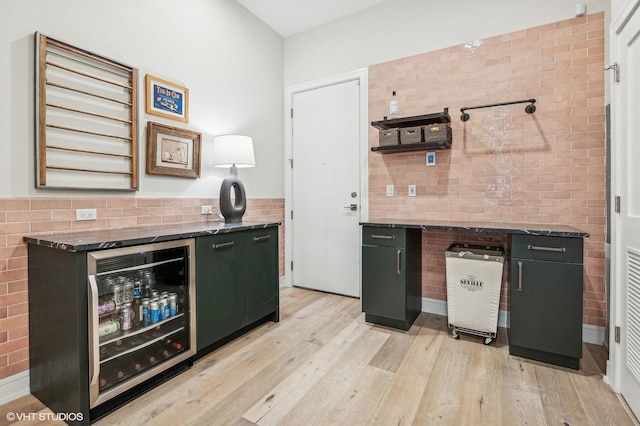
<point x="557" y="249"/>
<point x="388" y="237"/>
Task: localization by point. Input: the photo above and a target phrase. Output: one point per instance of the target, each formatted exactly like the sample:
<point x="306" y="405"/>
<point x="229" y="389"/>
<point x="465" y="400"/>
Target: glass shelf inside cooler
<point x="130" y="363"/>
<point x="119" y="335"/>
<point x="133" y="348"/>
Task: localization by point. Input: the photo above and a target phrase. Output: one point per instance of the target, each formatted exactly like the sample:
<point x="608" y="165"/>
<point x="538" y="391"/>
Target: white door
<point x="326" y="197"/>
<point x="626" y="250"/>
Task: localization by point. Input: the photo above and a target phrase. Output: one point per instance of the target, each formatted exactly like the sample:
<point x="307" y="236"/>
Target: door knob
<point x="352" y="207"/>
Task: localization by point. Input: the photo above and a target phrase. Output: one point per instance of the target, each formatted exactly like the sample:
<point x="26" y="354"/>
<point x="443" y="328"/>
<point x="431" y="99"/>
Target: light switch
<point x="412" y="190"/>
<point x="431" y="158"/>
<point x="389" y="190"/>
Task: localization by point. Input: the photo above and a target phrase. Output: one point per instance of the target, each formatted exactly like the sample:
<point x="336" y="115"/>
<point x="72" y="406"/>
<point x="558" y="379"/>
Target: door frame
<point x="616" y="364"/>
<point x="361" y="76"/>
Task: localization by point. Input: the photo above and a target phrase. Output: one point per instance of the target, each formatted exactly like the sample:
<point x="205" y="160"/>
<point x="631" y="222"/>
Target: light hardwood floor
<point x="323" y="365"/>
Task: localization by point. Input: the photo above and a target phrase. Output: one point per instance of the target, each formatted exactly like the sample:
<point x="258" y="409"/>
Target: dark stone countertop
<point x="503" y="228"/>
<point x="123" y="237"/>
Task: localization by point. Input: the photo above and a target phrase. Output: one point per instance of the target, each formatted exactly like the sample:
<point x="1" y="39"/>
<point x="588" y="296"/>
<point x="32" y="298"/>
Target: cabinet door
<point x="383" y="281"/>
<point x="220" y="287"/>
<point x="262" y="273"/>
<point x="546" y="306"/>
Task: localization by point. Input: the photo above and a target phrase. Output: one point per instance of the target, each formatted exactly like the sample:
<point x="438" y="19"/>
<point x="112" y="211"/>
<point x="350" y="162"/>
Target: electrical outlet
<point x="86" y="214"/>
<point x="207" y="210"/>
<point x="389" y="190"/>
<point x="412" y="190"/>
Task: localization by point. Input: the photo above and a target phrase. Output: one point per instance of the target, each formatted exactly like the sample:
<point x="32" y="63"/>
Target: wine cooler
<point x="141" y="314"/>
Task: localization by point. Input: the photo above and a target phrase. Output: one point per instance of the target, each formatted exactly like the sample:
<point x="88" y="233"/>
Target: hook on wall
<point x="529" y="109"/>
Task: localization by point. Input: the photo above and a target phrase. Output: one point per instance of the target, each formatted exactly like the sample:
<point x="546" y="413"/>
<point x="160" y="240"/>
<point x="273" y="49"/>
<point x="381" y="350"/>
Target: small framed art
<point x="167" y="99"/>
<point x="172" y="151"/>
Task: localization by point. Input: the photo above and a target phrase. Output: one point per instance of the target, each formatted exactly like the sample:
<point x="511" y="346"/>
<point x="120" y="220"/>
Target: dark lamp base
<point x="232" y="210"/>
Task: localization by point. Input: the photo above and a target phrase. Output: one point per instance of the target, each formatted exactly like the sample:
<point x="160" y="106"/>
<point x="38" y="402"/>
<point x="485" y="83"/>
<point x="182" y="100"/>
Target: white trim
<point x="623" y="18"/>
<point x="282" y="283"/>
<point x="593" y="334"/>
<point x="14" y="387"/>
<point x="590" y="333"/>
<point x="434" y="306"/>
<point x="362" y="76"/>
<point x="616" y="363"/>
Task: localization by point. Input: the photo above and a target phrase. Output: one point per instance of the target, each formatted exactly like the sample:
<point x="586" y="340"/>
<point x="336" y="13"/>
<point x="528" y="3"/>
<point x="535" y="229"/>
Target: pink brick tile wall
<point x="504" y="165"/>
<point x="30" y="216"/>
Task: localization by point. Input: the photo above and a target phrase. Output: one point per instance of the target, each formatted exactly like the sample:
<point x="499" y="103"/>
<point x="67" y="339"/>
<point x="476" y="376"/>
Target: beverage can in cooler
<point x="108" y="327"/>
<point x="126" y="315"/>
<point x="154" y="311"/>
<point x="106" y="307"/>
<point x="173" y="304"/>
<point x="145" y="311"/>
<point x="163" y="308"/>
<point x="117" y="295"/>
<point x="128" y="292"/>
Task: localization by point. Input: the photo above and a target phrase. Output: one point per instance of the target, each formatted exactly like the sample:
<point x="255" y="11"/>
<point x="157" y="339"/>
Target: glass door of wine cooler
<point x="141" y="314"/>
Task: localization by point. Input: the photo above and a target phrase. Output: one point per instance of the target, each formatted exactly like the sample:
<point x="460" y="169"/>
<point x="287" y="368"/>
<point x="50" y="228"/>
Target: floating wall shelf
<point x="414" y="121"/>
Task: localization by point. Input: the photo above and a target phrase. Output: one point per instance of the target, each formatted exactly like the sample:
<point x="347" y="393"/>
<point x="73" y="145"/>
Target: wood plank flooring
<point x="324" y="365"/>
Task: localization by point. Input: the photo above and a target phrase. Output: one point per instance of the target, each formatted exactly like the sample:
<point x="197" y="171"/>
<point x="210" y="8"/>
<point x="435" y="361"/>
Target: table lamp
<point x="233" y="151"/>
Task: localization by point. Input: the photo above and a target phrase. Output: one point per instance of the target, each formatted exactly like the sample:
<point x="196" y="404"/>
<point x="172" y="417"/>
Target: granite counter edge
<point x="50" y="241"/>
<point x="482" y="229"/>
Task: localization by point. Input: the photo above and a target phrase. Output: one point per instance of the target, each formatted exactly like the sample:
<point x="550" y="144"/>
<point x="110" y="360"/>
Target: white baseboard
<point x="14" y="387"/>
<point x="590" y="333"/>
<point x="439" y="307"/>
<point x="282" y="283"/>
<point x="593" y="334"/>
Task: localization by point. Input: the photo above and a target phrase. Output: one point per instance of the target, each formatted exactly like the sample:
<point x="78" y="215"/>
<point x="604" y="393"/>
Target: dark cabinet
<point x="546" y="299"/>
<point x="220" y="289"/>
<point x="236" y="282"/>
<point x="262" y="275"/>
<point x="87" y="355"/>
<point x="391" y="276"/>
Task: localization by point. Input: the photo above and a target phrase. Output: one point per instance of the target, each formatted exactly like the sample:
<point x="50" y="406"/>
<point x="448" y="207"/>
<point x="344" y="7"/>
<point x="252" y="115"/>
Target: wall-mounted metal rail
<point x="529" y="109"/>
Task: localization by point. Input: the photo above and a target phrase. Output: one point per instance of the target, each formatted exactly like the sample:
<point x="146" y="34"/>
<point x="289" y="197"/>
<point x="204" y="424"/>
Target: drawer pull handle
<point x="519" y="275"/>
<point x="383" y="237"/>
<point x="398" y="253"/>
<point x="553" y="249"/>
<point x="262" y="238"/>
<point x="223" y="245"/>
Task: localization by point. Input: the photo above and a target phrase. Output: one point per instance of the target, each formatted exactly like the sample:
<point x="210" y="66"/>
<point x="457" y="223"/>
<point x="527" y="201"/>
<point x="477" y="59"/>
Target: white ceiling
<point x="289" y="17"/>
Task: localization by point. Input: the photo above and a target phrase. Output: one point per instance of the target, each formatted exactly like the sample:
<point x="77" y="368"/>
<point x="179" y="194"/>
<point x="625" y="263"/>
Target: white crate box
<point x="474" y="280"/>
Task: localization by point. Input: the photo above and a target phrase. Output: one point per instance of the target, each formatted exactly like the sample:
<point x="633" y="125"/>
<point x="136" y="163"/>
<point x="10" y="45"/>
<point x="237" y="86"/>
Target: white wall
<point x="401" y="28"/>
<point x="230" y="61"/>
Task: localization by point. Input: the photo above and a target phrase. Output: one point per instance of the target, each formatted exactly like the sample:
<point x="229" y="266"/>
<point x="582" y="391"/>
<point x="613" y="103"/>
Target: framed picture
<point x="167" y="99"/>
<point x="172" y="151"/>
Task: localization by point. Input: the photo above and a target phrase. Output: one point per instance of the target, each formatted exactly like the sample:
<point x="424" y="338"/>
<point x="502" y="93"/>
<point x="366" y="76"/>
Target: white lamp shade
<point x="233" y="150"/>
